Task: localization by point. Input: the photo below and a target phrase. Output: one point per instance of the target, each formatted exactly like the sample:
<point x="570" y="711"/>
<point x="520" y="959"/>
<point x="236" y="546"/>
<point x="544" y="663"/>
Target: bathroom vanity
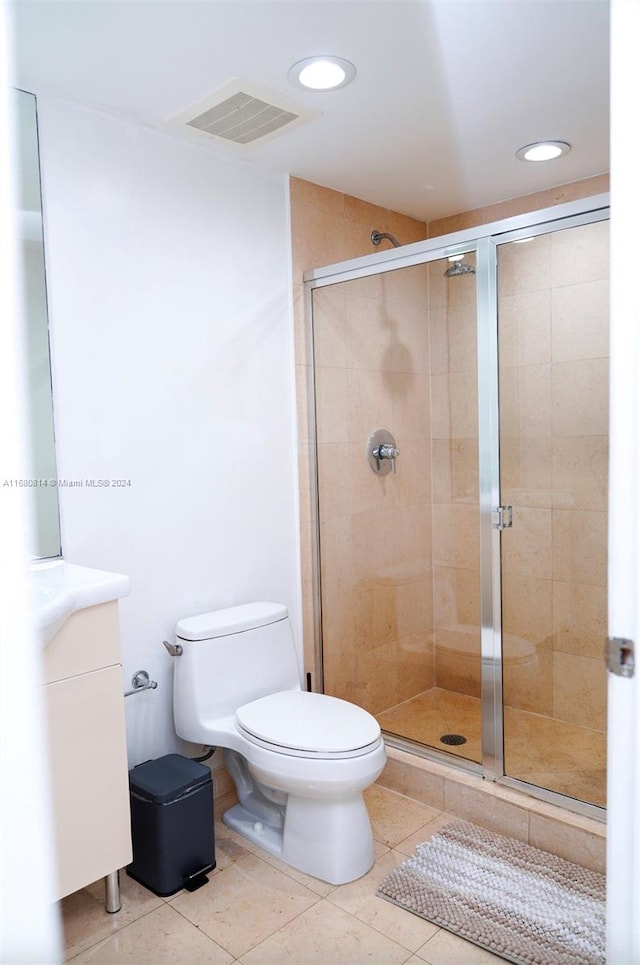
<point x="86" y="727"/>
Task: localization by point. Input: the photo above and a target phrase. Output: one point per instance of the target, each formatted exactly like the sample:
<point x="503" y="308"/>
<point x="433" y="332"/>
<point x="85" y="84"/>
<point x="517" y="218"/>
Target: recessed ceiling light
<point x="456" y="257"/>
<point x="522" y="241"/>
<point x="543" y="150"/>
<point x="322" y="73"/>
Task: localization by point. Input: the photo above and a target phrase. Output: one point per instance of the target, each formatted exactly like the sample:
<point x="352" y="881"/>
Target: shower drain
<point x="453" y="739"/>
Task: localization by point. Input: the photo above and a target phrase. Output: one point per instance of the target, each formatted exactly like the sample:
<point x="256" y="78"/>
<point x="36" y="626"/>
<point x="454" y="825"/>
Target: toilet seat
<point x="302" y="724"/>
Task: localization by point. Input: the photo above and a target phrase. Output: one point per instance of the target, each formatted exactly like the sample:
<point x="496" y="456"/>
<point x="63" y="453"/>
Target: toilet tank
<point x="230" y="657"/>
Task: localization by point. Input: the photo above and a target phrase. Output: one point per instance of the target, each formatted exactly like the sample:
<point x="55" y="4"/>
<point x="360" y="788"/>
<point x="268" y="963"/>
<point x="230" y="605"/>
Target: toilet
<point x="300" y="761"/>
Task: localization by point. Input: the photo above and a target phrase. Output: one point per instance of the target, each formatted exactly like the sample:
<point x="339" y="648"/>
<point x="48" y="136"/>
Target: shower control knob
<point x="382" y="452"/>
<point x="386" y="452"/>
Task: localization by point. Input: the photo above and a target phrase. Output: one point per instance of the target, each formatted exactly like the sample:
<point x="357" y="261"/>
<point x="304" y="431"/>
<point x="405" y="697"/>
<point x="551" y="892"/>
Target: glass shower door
<point x="553" y="393"/>
<point x="399" y="555"/>
<point x="370" y="341"/>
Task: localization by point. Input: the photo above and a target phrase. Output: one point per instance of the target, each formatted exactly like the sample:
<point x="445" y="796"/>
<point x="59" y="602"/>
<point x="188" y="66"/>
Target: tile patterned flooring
<point x="543" y="751"/>
<point x="256" y="911"/>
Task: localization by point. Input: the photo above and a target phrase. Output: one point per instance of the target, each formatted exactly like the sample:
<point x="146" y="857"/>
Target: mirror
<point x="44" y="538"/>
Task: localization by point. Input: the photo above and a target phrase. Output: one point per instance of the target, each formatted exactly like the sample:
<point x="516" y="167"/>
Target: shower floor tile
<point x="433" y="713"/>
<point x="553" y="754"/>
<point x="540" y="750"/>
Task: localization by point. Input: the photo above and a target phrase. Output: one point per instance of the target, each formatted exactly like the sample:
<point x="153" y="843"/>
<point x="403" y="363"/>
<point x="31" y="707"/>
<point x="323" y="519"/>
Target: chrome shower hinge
<point x="503" y="517"/>
<point x="620" y="656"/>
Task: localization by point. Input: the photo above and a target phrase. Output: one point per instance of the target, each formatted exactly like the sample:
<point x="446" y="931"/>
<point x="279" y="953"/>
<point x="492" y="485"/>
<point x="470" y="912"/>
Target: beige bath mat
<point x="520" y="903"/>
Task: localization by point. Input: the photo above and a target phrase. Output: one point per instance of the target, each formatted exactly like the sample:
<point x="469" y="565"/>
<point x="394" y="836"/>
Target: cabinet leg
<point x="112" y="901"/>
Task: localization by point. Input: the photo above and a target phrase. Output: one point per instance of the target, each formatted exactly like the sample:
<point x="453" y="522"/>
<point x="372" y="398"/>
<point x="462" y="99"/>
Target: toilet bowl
<point x="300" y="761"/>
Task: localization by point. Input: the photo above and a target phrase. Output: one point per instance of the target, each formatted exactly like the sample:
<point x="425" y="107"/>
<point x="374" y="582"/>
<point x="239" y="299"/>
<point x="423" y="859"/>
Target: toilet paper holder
<point x="139" y="682"/>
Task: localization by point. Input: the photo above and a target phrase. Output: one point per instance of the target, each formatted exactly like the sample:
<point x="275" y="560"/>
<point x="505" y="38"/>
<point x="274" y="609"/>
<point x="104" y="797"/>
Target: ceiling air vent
<point x="242" y="113"/>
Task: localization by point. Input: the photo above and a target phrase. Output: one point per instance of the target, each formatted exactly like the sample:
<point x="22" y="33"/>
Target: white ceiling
<point x="446" y="90"/>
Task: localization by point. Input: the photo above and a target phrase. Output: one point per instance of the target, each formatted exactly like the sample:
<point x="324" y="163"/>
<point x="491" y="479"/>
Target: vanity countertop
<point x="57" y="589"/>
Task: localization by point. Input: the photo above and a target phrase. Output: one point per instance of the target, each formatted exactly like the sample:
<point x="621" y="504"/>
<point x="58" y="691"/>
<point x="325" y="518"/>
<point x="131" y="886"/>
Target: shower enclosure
<point x="461" y="572"/>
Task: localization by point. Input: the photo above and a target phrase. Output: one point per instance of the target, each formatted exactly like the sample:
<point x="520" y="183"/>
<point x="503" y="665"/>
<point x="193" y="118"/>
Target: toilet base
<point x="254" y="830"/>
<point x="330" y="840"/>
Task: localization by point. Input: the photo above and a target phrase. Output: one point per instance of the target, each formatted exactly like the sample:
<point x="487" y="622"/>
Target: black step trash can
<point x="171" y="824"/>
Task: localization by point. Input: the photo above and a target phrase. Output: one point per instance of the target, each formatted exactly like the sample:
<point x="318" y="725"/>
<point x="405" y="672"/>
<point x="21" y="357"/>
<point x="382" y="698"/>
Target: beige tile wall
<point x="375" y="531"/>
<point x="566" y="280"/>
<point x="553" y="342"/>
<point x="372" y="359"/>
<point x="553" y="339"/>
<point x="456" y="550"/>
<point x="495" y="807"/>
<point x="561" y="194"/>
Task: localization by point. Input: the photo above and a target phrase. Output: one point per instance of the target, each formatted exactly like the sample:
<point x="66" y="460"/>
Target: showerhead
<point x="378" y="236"/>
<point x="459" y="268"/>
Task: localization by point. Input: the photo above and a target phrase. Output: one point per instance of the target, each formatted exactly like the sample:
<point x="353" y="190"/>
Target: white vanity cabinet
<point x="86" y="727"/>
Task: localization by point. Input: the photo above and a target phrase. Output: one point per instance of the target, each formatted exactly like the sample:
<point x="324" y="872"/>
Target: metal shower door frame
<point x="407" y="256"/>
<point x="484" y="241"/>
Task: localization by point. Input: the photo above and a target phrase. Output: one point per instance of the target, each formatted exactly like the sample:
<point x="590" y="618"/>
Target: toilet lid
<point x="309" y="723"/>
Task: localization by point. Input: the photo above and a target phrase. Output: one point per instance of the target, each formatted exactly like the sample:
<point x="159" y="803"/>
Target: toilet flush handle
<point x="173" y="648"/>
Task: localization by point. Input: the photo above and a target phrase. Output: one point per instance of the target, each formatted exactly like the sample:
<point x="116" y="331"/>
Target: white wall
<point x="168" y="278"/>
<point x="29" y="929"/>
